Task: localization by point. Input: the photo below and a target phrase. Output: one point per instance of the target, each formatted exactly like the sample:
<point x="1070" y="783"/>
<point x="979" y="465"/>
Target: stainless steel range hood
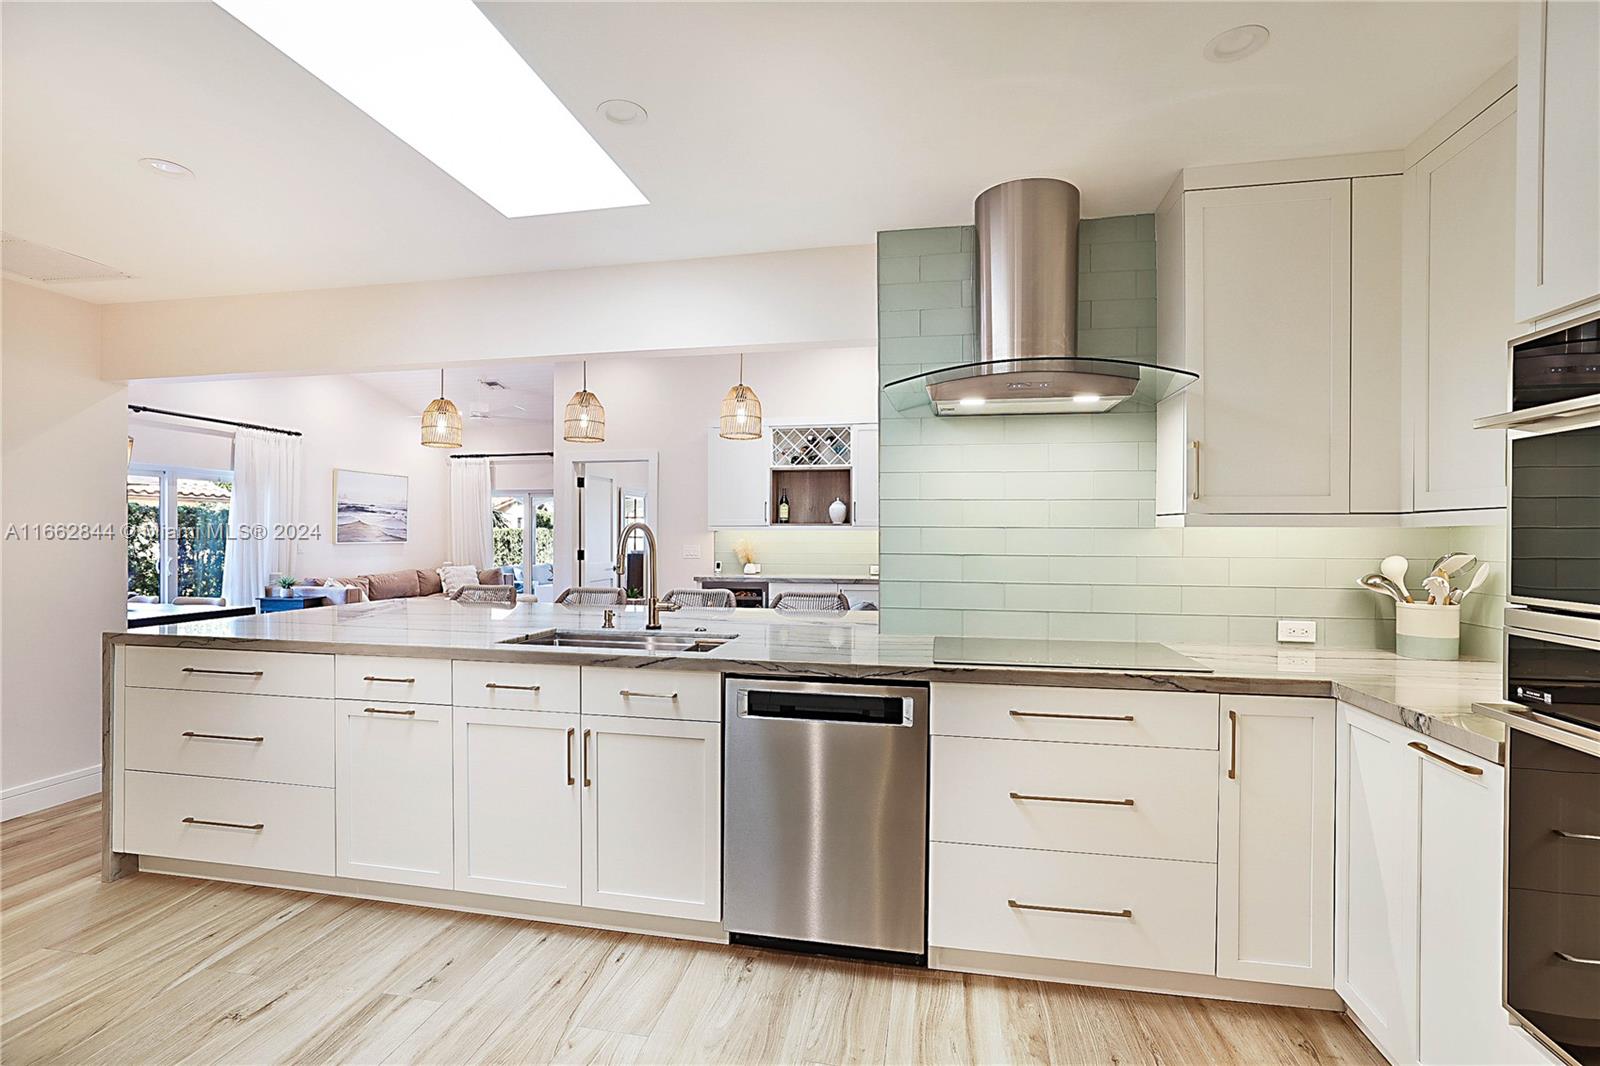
<point x="1027" y="296"/>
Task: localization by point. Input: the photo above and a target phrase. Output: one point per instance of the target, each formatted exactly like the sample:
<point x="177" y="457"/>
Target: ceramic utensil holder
<point x="1422" y="631"/>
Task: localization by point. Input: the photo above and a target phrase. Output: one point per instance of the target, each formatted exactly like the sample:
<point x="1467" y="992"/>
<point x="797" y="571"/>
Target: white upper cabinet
<point x="738" y="478"/>
<point x="1275" y="841"/>
<point x="1558" y="157"/>
<point x="1255" y="296"/>
<point x="1376" y="482"/>
<point x="1458" y="311"/>
<point x="864" y="474"/>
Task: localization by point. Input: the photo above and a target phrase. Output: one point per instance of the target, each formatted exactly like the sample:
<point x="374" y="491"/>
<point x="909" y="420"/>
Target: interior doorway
<point x="610" y="494"/>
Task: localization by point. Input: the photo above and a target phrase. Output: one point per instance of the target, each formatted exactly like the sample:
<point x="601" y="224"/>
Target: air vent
<point x="39" y="262"/>
<point x="491" y="383"/>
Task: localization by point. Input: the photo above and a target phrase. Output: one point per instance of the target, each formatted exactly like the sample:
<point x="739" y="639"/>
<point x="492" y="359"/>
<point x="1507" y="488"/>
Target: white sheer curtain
<point x="470" y="543"/>
<point x="266" y="498"/>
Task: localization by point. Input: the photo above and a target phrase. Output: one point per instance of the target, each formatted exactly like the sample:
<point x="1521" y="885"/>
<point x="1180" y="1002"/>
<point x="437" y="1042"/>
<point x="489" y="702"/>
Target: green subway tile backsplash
<point x="1043" y="526"/>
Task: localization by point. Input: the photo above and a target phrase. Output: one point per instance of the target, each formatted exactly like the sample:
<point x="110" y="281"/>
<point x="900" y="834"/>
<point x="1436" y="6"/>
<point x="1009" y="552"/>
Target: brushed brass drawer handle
<point x="1072" y="799"/>
<point x="1579" y="959"/>
<point x="586" y="781"/>
<point x="222" y="736"/>
<point x="570" y="733"/>
<point x="630" y="694"/>
<point x="1475" y="771"/>
<point x="1014" y="905"/>
<point x="392" y="680"/>
<point x="1233" y="745"/>
<point x="385" y="710"/>
<point x="229" y="673"/>
<point x="1075" y="717"/>
<point x="1569" y="835"/>
<point x="518" y="688"/>
<point x="257" y="827"/>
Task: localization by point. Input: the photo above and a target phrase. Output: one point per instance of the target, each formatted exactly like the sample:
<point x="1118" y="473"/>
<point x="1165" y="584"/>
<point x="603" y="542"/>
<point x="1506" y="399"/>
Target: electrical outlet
<point x="691" y="551"/>
<point x="1297" y="661"/>
<point x="1296" y="631"/>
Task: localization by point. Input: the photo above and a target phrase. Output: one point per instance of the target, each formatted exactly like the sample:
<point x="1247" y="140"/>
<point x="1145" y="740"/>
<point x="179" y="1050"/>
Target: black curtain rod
<point x="504" y="455"/>
<point x="140" y="408"/>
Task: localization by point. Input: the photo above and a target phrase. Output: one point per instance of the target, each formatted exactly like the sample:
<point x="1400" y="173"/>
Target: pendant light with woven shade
<point x="586" y="419"/>
<point x="741" y="411"/>
<point x="441" y="422"/>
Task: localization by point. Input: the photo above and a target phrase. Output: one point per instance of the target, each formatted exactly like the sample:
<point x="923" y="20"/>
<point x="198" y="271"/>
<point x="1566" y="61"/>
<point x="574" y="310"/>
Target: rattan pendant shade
<point x="441" y="422"/>
<point x="741" y="411"/>
<point x="585" y="422"/>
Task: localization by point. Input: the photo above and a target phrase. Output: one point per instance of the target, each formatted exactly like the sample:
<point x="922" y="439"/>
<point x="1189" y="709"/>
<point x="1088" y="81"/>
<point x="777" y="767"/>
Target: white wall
<point x="667" y="405"/>
<point x="813" y="297"/>
<point x="345" y="424"/>
<point x="61" y="460"/>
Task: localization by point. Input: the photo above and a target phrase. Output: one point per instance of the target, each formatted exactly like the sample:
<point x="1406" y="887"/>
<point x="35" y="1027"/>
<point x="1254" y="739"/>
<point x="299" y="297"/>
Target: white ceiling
<point x="772" y="126"/>
<point x="528" y="395"/>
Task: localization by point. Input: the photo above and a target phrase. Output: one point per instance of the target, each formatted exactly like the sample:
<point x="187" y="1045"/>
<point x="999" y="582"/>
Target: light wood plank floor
<point x="155" y="969"/>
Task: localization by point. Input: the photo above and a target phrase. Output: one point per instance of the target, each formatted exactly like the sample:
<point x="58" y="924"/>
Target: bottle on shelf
<point x="783" y="509"/>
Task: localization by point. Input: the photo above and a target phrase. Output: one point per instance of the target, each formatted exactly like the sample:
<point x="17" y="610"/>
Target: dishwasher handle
<point x="832" y="706"/>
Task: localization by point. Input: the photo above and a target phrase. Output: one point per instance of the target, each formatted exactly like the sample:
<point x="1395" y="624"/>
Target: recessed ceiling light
<point x="438" y="75"/>
<point x="1232" y="45"/>
<point x="166" y="167"/>
<point x="623" y="112"/>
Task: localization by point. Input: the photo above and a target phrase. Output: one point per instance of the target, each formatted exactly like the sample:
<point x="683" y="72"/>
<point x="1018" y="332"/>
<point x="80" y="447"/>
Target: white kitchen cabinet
<point x="393" y="793"/>
<point x="1375" y="881"/>
<point x="738" y="480"/>
<point x="1419" y="880"/>
<point x="1255" y="296"/>
<point x="1275" y="840"/>
<point x="1376" y="212"/>
<point x="864" y="474"/>
<point x="1457" y="311"/>
<point x="517" y="804"/>
<point x="652" y="816"/>
<point x="1558" y="157"/>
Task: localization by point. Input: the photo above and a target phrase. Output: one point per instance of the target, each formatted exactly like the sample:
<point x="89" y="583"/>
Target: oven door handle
<point x="1546" y="418"/>
<point x="1569" y="835"/>
<point x="1579" y="959"/>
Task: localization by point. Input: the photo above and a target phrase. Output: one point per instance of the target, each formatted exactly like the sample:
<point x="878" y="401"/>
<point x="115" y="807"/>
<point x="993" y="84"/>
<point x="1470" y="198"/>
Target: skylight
<point x="438" y="75"/>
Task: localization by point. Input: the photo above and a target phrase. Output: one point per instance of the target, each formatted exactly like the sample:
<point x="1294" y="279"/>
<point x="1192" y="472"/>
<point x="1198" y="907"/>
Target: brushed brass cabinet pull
<point x="518" y="688"/>
<point x="570" y="733"/>
<point x="392" y="680"/>
<point x="627" y="693"/>
<point x="1579" y="959"/>
<point x="229" y="673"/>
<point x="1233" y="745"/>
<point x="1075" y="717"/>
<point x="258" y="826"/>
<point x="385" y="710"/>
<point x="1014" y="905"/>
<point x="1569" y="835"/>
<point x="586" y="781"/>
<point x="222" y="736"/>
<point x="1072" y="799"/>
<point x="1195" y="495"/>
<point x="1475" y="771"/>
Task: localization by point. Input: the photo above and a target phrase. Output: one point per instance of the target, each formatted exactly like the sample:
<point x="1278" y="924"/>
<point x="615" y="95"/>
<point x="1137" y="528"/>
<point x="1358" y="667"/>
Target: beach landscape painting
<point x="369" y="508"/>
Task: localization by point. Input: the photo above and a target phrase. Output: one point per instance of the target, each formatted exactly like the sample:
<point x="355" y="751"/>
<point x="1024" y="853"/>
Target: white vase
<point x="837" y="510"/>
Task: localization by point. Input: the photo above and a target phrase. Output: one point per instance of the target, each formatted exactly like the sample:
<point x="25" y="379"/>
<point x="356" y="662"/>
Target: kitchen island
<point x="1140" y="828"/>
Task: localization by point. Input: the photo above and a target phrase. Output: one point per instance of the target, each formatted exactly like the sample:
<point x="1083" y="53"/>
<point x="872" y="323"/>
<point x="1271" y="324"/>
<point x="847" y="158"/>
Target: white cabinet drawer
<point x="516" y="686"/>
<point x="260" y="673"/>
<point x="1084" y="715"/>
<point x="687" y="695"/>
<point x="275" y="827"/>
<point x="1162" y="915"/>
<point x="384" y="677"/>
<point x="283" y="739"/>
<point x="1073" y="797"/>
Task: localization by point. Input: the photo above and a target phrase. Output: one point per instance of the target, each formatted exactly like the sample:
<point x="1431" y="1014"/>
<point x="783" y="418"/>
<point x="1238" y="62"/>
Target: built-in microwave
<point x="1554" y="439"/>
<point x="1552" y="892"/>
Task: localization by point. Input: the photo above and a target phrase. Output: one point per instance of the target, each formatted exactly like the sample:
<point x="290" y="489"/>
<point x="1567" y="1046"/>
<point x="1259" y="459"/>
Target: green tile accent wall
<point x="1043" y="526"/>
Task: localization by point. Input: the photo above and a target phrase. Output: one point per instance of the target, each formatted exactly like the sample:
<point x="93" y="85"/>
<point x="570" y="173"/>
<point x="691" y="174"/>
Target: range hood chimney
<point x="1027" y="295"/>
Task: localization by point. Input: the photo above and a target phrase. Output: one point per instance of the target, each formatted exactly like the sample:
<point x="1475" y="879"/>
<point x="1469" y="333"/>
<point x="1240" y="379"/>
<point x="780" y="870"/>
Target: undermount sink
<point x="630" y="640"/>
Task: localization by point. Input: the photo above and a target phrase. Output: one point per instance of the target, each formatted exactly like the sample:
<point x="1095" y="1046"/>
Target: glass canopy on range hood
<point x="1058" y="385"/>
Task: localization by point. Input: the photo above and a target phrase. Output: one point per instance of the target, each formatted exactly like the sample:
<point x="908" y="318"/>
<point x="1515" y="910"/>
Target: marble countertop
<point x="837" y="579"/>
<point x="1433" y="698"/>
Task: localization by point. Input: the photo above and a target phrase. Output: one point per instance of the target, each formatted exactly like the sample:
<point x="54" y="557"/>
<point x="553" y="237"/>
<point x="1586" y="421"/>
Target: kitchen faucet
<point x="651" y="587"/>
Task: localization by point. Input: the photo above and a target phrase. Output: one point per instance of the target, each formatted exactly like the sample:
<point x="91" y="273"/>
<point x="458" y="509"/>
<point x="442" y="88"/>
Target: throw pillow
<point x="428" y="582"/>
<point x="394" y="585"/>
<point x="455" y="578"/>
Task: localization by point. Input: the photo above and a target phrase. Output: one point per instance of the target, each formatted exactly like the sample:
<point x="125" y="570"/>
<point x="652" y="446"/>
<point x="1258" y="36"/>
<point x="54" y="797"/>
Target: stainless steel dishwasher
<point x="825" y="817"/>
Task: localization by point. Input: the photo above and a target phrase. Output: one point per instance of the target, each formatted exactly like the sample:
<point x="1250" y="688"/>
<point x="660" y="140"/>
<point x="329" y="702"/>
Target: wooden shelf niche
<point x="811" y="490"/>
